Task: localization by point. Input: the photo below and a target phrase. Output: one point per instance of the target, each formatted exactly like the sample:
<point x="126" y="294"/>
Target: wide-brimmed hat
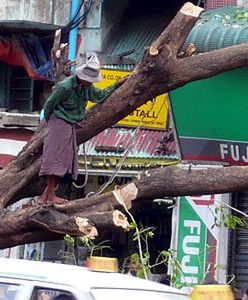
<point x="90" y="71"/>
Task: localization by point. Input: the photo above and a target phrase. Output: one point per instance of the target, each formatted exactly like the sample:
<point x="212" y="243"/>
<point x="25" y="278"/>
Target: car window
<point x="8" y="291"/>
<point x="128" y="294"/>
<point x="50" y="294"/>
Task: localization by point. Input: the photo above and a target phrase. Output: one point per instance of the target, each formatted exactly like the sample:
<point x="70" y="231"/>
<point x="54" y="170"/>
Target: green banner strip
<point x="191" y="251"/>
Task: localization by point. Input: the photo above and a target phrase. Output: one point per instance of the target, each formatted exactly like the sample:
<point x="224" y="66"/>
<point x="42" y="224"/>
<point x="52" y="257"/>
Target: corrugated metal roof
<point x="219" y="28"/>
<point x="136" y="33"/>
<point x="143" y="144"/>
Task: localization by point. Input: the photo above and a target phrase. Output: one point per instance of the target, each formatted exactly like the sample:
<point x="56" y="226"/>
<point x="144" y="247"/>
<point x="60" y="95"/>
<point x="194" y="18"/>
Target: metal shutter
<point x="238" y="245"/>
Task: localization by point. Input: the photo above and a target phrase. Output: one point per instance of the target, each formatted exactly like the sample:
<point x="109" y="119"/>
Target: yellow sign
<point x="211" y="292"/>
<point x="153" y="114"/>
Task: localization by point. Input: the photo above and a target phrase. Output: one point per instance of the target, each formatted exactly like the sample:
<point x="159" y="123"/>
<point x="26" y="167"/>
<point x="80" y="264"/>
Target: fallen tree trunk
<point x="35" y="222"/>
<point x="106" y="212"/>
<point x="162" y="69"/>
<point x="159" y="71"/>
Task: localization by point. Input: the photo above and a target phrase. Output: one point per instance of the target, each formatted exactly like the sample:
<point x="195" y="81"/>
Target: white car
<point x="31" y="280"/>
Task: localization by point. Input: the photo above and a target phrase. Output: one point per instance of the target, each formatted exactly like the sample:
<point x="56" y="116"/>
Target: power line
<point x="75" y="20"/>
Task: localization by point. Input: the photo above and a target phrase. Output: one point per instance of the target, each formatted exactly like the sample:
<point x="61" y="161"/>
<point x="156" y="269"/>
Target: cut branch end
<point x="120" y="220"/>
<point x="190" y="9"/>
<point x="86" y="228"/>
<point x="153" y="51"/>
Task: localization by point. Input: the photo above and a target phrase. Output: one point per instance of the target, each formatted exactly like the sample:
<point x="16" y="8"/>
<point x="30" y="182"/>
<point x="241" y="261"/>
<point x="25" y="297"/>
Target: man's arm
<point x="97" y="95"/>
<point x="57" y="96"/>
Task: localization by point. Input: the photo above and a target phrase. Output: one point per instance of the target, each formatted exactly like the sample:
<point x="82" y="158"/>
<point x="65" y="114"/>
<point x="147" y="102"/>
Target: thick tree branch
<point x="153" y="76"/>
<point x="17" y="226"/>
<point x="176" y="33"/>
<point x="160" y="71"/>
<point x="211" y="63"/>
<point x="28" y="237"/>
<point x="169" y="181"/>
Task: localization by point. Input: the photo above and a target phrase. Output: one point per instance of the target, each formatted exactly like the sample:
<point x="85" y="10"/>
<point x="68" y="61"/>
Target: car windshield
<point x="8" y="291"/>
<point x="128" y="294"/>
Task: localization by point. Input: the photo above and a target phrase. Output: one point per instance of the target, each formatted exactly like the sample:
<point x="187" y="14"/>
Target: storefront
<point x="200" y="239"/>
<point x="215" y="136"/>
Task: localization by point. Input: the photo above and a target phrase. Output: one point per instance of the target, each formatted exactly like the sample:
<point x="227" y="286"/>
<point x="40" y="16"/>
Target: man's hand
<point x="43" y="122"/>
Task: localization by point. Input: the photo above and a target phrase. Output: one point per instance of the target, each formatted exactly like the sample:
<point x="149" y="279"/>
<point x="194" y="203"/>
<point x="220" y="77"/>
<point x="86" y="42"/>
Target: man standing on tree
<point x="62" y="111"/>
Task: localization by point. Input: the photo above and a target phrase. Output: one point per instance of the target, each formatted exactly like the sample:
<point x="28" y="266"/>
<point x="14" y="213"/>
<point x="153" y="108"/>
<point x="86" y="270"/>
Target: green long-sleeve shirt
<point x="67" y="102"/>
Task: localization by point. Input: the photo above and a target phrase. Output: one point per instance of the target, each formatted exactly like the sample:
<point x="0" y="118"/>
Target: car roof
<point x="75" y="276"/>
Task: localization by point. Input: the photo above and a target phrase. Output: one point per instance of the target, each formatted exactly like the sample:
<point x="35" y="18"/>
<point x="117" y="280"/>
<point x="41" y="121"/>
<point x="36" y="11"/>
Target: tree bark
<point x="106" y="212"/>
<point x="154" y="75"/>
<point x="162" y="69"/>
<point x="33" y="223"/>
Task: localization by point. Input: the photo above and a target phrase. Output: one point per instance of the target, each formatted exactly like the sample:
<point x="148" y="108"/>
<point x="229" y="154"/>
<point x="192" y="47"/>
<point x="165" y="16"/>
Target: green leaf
<point x="150" y="234"/>
<point x="135" y="256"/>
<point x="165" y="253"/>
<point x="140" y="274"/>
<point x="133" y="225"/>
<point x="69" y="240"/>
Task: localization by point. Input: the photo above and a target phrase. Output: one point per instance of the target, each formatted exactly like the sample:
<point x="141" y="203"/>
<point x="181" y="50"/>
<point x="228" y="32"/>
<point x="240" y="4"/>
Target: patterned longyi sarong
<point x="60" y="149"/>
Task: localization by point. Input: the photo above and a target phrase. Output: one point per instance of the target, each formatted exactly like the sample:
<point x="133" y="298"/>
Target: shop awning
<point x="144" y="149"/>
<point x="26" y="50"/>
<point x="141" y="149"/>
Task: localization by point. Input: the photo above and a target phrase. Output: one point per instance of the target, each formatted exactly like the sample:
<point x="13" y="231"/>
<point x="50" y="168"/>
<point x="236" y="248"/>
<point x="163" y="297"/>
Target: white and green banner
<point x="197" y="239"/>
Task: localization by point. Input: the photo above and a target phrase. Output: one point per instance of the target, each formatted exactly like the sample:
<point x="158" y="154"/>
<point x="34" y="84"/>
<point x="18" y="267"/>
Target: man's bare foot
<point x="43" y="199"/>
<point x="56" y="200"/>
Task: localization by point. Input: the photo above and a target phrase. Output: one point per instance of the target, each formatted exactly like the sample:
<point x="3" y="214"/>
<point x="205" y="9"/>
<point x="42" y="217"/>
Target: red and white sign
<point x="203" y="199"/>
<point x="11" y="143"/>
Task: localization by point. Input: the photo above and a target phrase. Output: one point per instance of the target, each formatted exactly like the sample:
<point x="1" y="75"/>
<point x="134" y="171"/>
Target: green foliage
<point x="241" y="14"/>
<point x="143" y="235"/>
<point x="86" y="242"/>
<point x="141" y="266"/>
<point x="225" y="16"/>
<point x="132" y="225"/>
<point x="233" y="221"/>
<point x="169" y="258"/>
<point x="70" y="241"/>
<point x="224" y="218"/>
<point x="142" y="258"/>
<point x="238" y="17"/>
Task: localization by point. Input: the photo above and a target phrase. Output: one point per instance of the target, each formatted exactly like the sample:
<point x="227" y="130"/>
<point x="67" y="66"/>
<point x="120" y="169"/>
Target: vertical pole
<point x="72" y="52"/>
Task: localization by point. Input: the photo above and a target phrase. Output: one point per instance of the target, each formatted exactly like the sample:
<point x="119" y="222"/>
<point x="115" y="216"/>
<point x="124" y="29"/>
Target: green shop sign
<point x="211" y="118"/>
<point x="197" y="240"/>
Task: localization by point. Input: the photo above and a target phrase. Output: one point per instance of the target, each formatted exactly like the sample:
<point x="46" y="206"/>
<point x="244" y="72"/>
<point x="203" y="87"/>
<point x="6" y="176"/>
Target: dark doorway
<point x="146" y="6"/>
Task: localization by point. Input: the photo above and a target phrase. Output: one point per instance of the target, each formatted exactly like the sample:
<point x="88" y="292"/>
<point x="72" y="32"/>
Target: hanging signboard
<point x="197" y="243"/>
<point x="210" y="117"/>
<point x="153" y="114"/>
